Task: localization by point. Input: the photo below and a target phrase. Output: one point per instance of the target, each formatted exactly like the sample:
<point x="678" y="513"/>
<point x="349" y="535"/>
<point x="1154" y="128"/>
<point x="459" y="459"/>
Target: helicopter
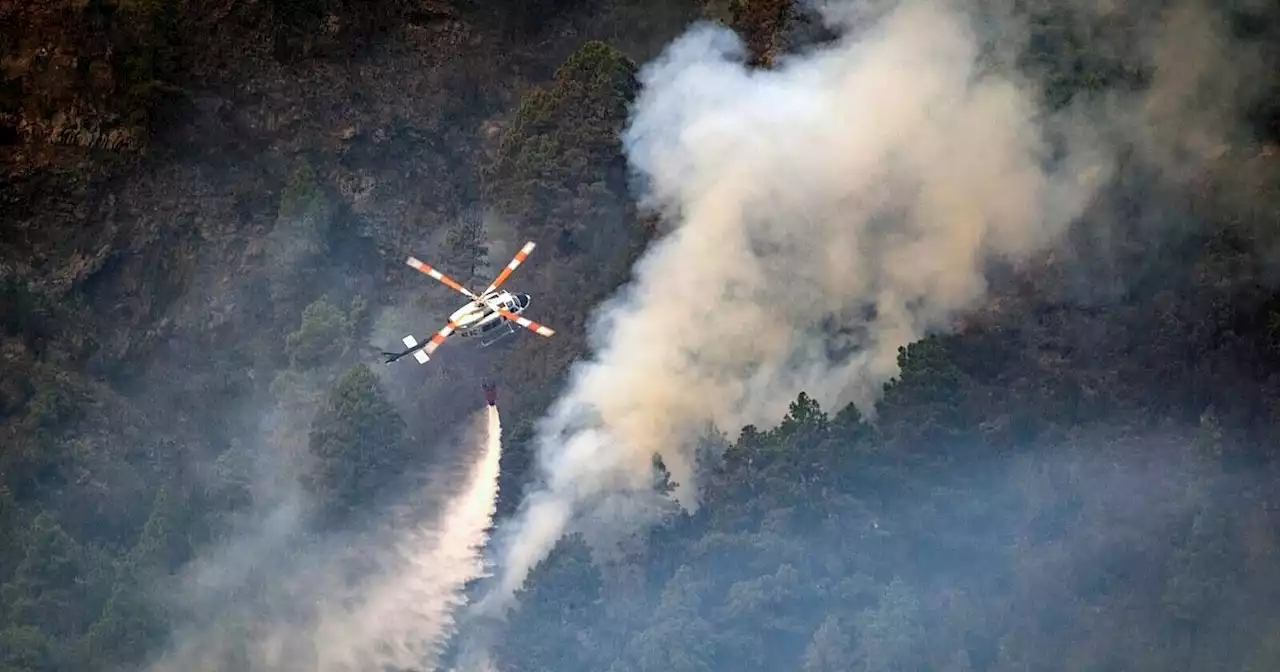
<point x="487" y="317"/>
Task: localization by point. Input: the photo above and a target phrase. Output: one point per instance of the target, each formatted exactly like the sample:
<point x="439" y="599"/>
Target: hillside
<point x="206" y="208"/>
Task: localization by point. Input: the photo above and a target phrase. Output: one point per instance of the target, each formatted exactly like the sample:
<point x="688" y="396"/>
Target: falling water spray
<point x="406" y="618"/>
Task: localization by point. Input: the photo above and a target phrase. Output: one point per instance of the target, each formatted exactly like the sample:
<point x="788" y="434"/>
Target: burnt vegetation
<point x="1072" y="480"/>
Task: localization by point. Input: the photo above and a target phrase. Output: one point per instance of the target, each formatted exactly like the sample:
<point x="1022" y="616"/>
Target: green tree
<point x="890" y="636"/>
<point x="553" y="162"/>
<point x="48" y="588"/>
<point x="232" y="487"/>
<point x="162" y="546"/>
<point x="305" y="208"/>
<point x="357" y="444"/>
<point x="804" y="414"/>
<point x="662" y="476"/>
<point x="678" y="638"/>
<point x="304" y="221"/>
<point x="828" y="650"/>
<point x="325" y="333"/>
<point x="130" y="626"/>
<point x="466" y="247"/>
<point x="559" y="600"/>
<point x="558" y="174"/>
<point x="924" y="402"/>
<point x="24" y="648"/>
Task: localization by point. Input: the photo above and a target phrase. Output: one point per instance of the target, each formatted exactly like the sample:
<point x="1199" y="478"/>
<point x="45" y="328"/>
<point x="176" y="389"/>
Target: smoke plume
<point x="397" y="611"/>
<point x="823" y="214"/>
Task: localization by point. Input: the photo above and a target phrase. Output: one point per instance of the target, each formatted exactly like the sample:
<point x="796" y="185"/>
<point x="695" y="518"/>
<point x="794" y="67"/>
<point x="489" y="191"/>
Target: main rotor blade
<point x="524" y="322"/>
<point x="439" y="337"/>
<point x="426" y="268"/>
<point x="422" y="353"/>
<point x="511" y="266"/>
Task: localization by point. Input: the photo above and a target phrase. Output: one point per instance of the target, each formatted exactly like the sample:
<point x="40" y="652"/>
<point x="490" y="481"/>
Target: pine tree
<point x="358" y="445"/>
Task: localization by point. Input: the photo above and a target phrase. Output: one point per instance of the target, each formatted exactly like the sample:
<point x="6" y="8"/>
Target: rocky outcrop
<point x="83" y="74"/>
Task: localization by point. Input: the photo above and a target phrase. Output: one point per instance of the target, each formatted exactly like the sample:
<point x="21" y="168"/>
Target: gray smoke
<point x="822" y="215"/>
<point x="825" y="213"/>
<point x="312" y="615"/>
<point x="863" y="185"/>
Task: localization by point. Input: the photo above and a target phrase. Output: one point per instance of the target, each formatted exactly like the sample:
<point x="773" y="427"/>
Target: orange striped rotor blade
<point x="439" y="337"/>
<point x="512" y="265"/>
<point x="427" y="269"/>
<point x="526" y="323"/>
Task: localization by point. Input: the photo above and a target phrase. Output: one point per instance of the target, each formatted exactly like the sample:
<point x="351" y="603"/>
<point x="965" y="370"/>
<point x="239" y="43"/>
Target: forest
<point x="204" y="214"/>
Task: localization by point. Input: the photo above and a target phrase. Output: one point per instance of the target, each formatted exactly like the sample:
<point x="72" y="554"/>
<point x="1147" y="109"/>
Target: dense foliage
<point x="1075" y="479"/>
<point x="828" y="544"/>
<point x="358" y="445"/>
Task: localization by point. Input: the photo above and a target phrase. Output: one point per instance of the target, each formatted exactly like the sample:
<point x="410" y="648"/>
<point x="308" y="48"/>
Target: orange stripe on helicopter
<point x="438" y="337"/>
<point x="426" y="268"/>
<point x="526" y="323"/>
<point x="511" y="265"/>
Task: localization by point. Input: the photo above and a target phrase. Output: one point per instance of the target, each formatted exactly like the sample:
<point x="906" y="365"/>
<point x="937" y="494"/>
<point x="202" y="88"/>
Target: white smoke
<point x="321" y="619"/>
<point x="825" y="213"/>
<point x="405" y="619"/>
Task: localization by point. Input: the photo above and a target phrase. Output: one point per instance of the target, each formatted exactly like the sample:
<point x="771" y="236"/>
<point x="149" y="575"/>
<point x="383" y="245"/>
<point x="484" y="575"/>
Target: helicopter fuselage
<point x="475" y="319"/>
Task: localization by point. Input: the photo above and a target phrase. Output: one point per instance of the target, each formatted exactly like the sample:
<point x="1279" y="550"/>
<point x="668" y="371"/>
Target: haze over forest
<point x="890" y="335"/>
